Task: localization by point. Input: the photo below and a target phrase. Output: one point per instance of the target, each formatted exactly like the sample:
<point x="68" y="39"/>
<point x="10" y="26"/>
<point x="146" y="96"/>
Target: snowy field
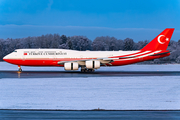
<point x="112" y="93"/>
<point x="126" y="93"/>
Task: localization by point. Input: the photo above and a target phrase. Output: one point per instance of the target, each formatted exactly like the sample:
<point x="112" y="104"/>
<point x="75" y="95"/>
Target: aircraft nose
<point x="5" y="58"/>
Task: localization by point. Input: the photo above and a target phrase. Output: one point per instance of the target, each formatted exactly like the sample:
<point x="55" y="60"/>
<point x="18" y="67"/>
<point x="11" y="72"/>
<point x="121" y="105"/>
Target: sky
<point x="136" y="19"/>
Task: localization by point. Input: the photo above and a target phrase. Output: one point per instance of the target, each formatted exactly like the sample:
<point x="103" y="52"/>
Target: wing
<point x="82" y="61"/>
<point x="160" y="53"/>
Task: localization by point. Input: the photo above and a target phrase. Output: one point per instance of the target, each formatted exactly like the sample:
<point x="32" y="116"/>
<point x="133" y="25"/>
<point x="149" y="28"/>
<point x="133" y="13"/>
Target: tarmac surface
<point x="57" y="74"/>
<point x="86" y="115"/>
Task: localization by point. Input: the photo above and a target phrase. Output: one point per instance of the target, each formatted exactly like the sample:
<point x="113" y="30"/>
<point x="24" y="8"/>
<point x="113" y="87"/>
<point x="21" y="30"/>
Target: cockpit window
<point x="15" y="51"/>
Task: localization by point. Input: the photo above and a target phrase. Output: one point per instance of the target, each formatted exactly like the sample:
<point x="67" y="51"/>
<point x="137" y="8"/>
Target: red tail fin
<point x="161" y="41"/>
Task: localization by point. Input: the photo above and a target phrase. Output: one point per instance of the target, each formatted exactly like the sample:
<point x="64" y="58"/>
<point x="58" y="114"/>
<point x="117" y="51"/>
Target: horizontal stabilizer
<point x="159" y="54"/>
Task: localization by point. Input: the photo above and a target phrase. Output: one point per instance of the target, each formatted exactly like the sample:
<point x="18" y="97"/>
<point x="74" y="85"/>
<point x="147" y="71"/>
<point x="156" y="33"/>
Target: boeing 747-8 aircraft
<point x="90" y="60"/>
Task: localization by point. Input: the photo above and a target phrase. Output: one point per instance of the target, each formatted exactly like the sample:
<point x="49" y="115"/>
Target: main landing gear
<point x="87" y="70"/>
<point x="19" y="68"/>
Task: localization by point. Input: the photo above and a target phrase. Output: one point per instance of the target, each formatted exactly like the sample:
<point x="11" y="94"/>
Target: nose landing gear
<point x="19" y="68"/>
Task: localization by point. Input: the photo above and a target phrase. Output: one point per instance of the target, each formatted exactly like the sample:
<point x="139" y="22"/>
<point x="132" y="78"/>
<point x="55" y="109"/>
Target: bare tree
<point x="128" y="44"/>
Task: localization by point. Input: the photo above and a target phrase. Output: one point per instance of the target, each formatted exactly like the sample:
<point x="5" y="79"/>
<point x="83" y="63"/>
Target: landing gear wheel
<point x="20" y="70"/>
<point x="82" y="70"/>
<point x="85" y="70"/>
<point x="90" y="70"/>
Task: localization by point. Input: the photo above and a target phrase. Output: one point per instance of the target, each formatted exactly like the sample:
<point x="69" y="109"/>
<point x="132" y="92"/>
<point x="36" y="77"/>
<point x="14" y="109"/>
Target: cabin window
<point x="15" y="51"/>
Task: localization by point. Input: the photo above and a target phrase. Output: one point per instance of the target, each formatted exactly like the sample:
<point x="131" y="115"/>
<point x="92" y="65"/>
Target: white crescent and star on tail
<point x="159" y="39"/>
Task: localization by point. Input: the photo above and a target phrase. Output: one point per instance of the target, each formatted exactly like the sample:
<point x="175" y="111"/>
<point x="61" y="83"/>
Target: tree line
<point x="82" y="43"/>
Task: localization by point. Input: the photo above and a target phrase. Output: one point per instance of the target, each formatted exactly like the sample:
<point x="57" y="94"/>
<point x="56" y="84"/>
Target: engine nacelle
<point x="71" y="66"/>
<point x="92" y="64"/>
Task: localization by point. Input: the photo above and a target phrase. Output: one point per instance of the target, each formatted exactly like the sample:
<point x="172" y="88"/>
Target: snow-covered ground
<point x="134" y="67"/>
<point x="120" y="93"/>
<point x="85" y="93"/>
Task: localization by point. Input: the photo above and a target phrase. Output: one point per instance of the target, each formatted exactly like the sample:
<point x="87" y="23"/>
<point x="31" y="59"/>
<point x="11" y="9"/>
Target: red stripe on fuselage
<point x="54" y="62"/>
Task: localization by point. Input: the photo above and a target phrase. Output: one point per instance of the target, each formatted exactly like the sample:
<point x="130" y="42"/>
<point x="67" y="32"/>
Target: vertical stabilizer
<point x="160" y="42"/>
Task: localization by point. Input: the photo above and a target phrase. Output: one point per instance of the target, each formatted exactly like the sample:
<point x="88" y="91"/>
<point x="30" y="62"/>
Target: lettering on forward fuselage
<point x="44" y="53"/>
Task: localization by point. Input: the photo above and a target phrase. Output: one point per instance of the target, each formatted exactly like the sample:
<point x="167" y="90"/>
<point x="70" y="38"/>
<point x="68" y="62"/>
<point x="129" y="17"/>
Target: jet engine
<point x="71" y="66"/>
<point x="92" y="64"/>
